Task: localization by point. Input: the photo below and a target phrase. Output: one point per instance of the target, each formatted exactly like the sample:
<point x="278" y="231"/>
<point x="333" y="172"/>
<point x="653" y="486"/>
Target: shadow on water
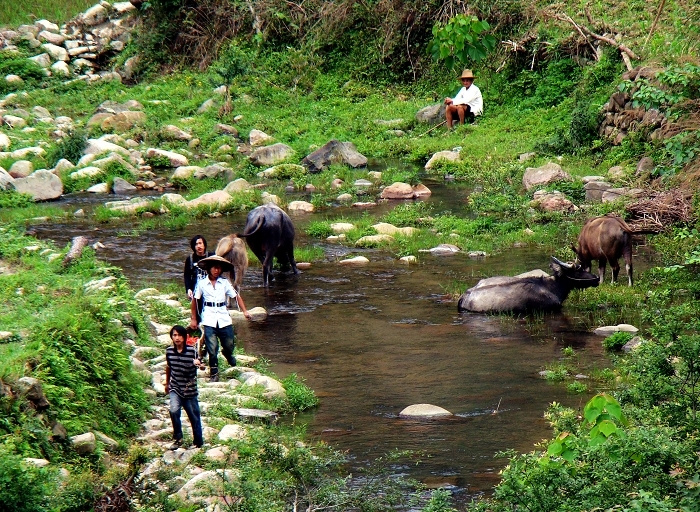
<point x="373" y="340"/>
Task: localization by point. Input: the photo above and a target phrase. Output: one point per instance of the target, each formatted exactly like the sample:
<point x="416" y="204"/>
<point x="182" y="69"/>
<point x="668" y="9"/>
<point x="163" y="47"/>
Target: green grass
<point x="14" y="13"/>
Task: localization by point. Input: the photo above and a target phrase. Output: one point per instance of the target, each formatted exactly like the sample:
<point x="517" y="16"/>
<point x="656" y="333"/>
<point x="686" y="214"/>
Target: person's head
<point x="199" y="245"/>
<point x="178" y="334"/>
<point x="467" y="77"/>
<point x="215" y="265"/>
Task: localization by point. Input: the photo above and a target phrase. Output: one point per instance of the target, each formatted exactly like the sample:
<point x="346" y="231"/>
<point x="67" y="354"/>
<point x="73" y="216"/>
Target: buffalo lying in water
<point x="270" y="234"/>
<point x="522" y="294"/>
<point x="605" y="239"/>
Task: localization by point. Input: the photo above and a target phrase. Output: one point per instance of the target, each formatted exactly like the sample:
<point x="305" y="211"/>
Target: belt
<point x="214" y="304"/>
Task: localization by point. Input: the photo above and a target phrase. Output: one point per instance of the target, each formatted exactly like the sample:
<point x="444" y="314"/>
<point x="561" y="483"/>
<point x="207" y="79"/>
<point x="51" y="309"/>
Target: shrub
<point x="617" y="340"/>
<point x="14" y="199"/>
<point x="71" y="148"/>
<point x="23" y="486"/>
<point x="300" y="396"/>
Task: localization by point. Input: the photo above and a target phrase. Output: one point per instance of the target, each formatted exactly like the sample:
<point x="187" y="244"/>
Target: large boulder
<point x="334" y="152"/>
<point x="432" y="114"/>
<point x="449" y="156"/>
<point x="42" y="185"/>
<point x="98" y="146"/>
<point x="397" y="190"/>
<point x="5" y="179"/>
<point x="271" y="155"/>
<point x="123" y="121"/>
<point x="543" y="176"/>
<point x="175" y="159"/>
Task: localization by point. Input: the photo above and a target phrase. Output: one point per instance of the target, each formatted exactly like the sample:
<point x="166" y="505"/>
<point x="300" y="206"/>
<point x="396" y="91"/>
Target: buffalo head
<point x="573" y="273"/>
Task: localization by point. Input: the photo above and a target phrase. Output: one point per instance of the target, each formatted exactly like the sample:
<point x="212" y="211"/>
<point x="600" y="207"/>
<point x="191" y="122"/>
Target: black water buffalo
<point x="605" y="239"/>
<point x="233" y="249"/>
<point x="521" y="294"/>
<point x="270" y="234"/>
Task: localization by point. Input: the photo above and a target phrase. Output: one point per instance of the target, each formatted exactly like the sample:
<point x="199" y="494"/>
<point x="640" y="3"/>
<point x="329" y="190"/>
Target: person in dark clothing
<point x="181" y="385"/>
<point x="192" y="272"/>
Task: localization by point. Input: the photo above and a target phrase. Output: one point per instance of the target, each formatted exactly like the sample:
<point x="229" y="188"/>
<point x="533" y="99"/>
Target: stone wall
<point x="622" y="117"/>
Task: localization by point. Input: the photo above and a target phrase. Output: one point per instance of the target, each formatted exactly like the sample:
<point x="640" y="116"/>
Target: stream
<point x="372" y="340"/>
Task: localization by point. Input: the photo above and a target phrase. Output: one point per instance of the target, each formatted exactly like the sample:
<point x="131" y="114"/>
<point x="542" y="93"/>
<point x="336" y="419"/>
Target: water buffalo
<point x="270" y="234"/>
<point x="233" y="249"/>
<point x="605" y="239"/>
<point x="526" y="293"/>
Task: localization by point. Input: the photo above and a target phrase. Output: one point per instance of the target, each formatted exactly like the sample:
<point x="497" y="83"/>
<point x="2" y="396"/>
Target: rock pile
<point x="78" y="48"/>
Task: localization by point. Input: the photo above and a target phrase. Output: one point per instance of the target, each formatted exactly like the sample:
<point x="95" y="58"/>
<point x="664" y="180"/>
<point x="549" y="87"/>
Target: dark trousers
<point x="212" y="337"/>
<point x="191" y="406"/>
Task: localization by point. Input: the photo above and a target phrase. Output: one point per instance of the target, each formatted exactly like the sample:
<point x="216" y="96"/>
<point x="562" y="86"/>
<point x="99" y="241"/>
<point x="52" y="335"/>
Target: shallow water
<point x="372" y="340"/>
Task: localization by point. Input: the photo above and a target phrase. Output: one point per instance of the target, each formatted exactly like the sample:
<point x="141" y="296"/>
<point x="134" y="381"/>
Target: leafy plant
<point x="461" y="40"/>
<point x="617" y="340"/>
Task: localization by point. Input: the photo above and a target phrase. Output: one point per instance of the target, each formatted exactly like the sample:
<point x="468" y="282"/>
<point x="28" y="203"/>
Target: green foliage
<point x="617" y="340"/>
<point x="461" y="40"/>
<point x="70" y="147"/>
<point x="319" y="229"/>
<point x="299" y="395"/>
<point x="14" y="199"/>
<point x="28" y="70"/>
<point x="439" y="502"/>
<point x="23" y="486"/>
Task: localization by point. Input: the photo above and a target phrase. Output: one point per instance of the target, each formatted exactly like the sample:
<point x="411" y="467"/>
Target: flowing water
<point x="372" y="340"/>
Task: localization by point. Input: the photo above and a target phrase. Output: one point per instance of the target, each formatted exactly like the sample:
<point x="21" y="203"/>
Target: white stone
<point x="424" y="410"/>
<point x="357" y="260"/>
<point x="232" y="431"/>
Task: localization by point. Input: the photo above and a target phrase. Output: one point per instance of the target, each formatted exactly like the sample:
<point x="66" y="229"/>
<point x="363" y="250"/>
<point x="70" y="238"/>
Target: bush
<point x="14" y="199"/>
<point x="23" y="486"/>
<point x="616" y="340"/>
<point x="71" y="148"/>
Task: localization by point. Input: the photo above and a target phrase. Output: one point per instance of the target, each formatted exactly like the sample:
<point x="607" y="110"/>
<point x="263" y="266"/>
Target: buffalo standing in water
<point x="270" y="234"/>
<point x="605" y="239"/>
<point x="521" y="294"/>
<point x="232" y="249"/>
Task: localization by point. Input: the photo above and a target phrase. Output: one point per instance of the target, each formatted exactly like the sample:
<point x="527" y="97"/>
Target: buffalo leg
<point x="615" y="267"/>
<point x="601" y="270"/>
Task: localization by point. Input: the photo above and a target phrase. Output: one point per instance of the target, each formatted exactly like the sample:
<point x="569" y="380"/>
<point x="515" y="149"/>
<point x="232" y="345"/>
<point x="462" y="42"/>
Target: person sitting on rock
<point x="467" y="104"/>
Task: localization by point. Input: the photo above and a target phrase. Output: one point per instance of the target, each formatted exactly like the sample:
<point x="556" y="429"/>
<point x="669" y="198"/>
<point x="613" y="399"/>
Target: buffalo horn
<point x="561" y="263"/>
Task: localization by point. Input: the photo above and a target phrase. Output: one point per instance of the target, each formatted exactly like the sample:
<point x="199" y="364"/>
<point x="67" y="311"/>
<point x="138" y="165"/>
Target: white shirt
<point x="471" y="97"/>
<point x="211" y="315"/>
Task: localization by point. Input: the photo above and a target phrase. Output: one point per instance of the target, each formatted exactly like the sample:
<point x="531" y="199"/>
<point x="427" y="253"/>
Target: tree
<point x="461" y="40"/>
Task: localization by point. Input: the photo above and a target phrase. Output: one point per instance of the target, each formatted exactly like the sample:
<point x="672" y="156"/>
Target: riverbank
<point x="85" y="414"/>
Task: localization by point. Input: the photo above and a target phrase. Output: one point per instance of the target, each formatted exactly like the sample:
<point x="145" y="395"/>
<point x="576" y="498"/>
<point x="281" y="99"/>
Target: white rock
<point x="357" y="260"/>
<point x="424" y="410"/>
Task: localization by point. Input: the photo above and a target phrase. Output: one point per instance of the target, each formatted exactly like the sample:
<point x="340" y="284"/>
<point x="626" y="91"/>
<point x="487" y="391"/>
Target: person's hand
<point x="448" y="101"/>
<point x="190" y="294"/>
<point x="193" y="324"/>
<point x="247" y="315"/>
<point x="199" y="364"/>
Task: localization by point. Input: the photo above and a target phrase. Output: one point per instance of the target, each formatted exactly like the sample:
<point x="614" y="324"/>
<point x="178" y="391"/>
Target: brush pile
<point x="660" y="210"/>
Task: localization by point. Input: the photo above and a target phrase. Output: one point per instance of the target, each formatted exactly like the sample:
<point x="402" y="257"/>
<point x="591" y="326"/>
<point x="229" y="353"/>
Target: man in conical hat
<point x="216" y="322"/>
<point x="467" y="104"/>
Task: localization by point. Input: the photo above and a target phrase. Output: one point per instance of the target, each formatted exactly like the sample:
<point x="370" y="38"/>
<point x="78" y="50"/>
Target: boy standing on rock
<point x="181" y="384"/>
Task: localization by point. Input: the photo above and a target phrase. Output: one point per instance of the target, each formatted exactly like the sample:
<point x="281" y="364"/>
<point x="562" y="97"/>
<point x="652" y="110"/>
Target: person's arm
<point x="193" y="309"/>
<point x="167" y="379"/>
<point x="187" y="273"/>
<point x="241" y="305"/>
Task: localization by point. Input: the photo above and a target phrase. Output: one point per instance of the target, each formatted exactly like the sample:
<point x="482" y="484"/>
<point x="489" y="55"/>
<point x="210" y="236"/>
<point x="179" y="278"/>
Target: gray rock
<point x="544" y="175"/>
<point x="4" y="142"/>
<point x="5" y="179"/>
<point x="42" y="185"/>
<point x="122" y="187"/>
<point x="21" y="169"/>
<point x="644" y="166"/>
<point x="84" y="444"/>
<point x="595" y="190"/>
<point x="43" y="60"/>
<point x="334" y="152"/>
<point x="271" y="155"/>
<point x="432" y="114"/>
<point x="31" y="388"/>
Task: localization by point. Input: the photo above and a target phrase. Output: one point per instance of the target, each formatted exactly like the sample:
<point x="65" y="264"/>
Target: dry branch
<point x="660" y="210"/>
<point x="627" y="54"/>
